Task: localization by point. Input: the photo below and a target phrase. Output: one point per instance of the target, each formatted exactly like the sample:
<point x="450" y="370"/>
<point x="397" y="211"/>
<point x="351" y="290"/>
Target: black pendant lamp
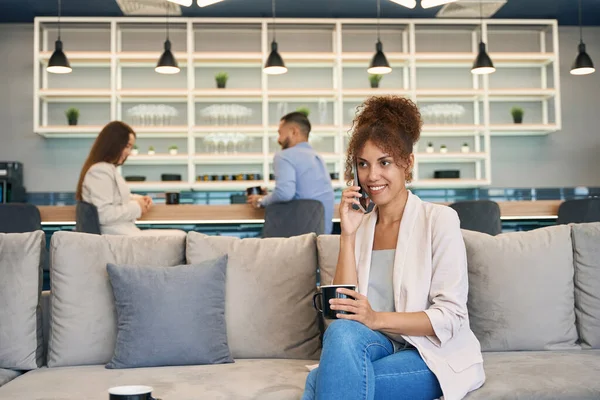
<point x="167" y="64"/>
<point x="483" y="64"/>
<point x="583" y="64"/>
<point x="59" y="63"/>
<point x="379" y="63"/>
<point x="274" y="64"/>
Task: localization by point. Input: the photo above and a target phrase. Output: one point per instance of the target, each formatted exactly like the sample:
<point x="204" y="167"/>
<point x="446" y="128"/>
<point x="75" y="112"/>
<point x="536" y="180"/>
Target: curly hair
<point x="393" y="123"/>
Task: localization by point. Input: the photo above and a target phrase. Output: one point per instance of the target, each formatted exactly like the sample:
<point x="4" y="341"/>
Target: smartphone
<point x="366" y="205"/>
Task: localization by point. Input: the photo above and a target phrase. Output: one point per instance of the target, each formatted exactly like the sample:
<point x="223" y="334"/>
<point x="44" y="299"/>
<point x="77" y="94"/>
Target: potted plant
<point x="173" y="150"/>
<point x="465" y="148"/>
<point x="221" y="79"/>
<point x="303" y="110"/>
<point x="517" y="114"/>
<point x="429" y="148"/>
<point x="72" y="115"/>
<point x="443" y="149"/>
<point x="151" y="151"/>
<point x="375" y="79"/>
<point x="135" y="150"/>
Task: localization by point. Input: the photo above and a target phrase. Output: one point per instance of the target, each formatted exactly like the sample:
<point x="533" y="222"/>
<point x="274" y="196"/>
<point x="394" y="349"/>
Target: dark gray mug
<point x="131" y="393"/>
<point x="327" y="293"/>
<point x="172" y="198"/>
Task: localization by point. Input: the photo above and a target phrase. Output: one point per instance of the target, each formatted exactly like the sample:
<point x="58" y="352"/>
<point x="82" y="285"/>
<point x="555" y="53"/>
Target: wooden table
<point x="242" y="213"/>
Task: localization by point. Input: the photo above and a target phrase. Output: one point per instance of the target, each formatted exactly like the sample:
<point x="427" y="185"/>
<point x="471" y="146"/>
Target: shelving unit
<point x="326" y="73"/>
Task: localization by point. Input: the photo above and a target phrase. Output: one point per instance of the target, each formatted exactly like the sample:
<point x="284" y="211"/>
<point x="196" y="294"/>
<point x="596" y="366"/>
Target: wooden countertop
<point x="242" y="213"/>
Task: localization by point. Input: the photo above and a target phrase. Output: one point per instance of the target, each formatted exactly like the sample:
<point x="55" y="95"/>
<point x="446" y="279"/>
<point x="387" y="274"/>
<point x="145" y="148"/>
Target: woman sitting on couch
<point x="407" y="335"/>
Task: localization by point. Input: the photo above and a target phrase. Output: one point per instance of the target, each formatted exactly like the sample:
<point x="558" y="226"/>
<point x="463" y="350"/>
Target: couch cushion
<point x="246" y="379"/>
<point x="20" y="298"/>
<point x="7" y="375"/>
<point x="521" y="289"/>
<point x="328" y="247"/>
<point x="83" y="326"/>
<point x="586" y="251"/>
<point x="269" y="290"/>
<point x="540" y="375"/>
<point x="170" y="315"/>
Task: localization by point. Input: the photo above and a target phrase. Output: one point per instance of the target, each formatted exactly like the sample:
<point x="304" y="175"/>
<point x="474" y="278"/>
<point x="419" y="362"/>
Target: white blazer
<point x="430" y="274"/>
<point x="105" y="188"/>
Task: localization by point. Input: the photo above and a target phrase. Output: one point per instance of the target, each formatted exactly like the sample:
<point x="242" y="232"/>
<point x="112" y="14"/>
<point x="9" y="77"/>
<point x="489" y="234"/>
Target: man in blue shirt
<point x="300" y="173"/>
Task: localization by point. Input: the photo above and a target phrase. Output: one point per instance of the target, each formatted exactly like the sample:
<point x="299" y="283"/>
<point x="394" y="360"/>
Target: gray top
<point x="381" y="287"/>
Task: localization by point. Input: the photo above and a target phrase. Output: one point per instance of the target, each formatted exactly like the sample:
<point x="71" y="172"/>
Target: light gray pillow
<point x="83" y="327"/>
<point x="328" y="247"/>
<point x="170" y="315"/>
<point x="20" y="300"/>
<point x="586" y="250"/>
<point x="270" y="286"/>
<point x="521" y="289"/>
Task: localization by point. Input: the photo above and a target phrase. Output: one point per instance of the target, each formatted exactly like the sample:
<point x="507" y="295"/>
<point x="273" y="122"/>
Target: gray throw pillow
<point x="521" y="292"/>
<point x="170" y="315"/>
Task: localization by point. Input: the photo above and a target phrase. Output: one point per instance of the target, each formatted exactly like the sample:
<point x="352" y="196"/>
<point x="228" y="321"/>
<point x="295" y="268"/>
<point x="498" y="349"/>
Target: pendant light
<point x="274" y="64"/>
<point x="167" y="64"/>
<point x="379" y="63"/>
<point x="483" y="64"/>
<point x="58" y="63"/>
<point x="583" y="64"/>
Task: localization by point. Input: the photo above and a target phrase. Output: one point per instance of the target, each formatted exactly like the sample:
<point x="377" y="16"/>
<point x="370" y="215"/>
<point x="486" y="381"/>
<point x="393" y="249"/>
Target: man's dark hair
<point x="300" y="119"/>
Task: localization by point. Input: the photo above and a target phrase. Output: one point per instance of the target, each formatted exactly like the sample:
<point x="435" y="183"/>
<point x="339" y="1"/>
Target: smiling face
<point x="127" y="150"/>
<point x="380" y="175"/>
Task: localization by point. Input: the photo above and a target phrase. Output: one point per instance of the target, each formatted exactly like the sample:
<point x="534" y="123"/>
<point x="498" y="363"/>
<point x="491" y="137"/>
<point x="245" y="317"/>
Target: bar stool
<point x="579" y="211"/>
<point x="479" y="215"/>
<point x="293" y="218"/>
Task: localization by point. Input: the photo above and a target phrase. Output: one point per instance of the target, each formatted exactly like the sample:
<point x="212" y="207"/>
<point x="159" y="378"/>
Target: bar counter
<point x="244" y="214"/>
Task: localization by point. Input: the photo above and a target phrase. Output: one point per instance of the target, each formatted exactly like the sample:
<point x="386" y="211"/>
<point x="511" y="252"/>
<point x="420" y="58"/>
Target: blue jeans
<point x="358" y="363"/>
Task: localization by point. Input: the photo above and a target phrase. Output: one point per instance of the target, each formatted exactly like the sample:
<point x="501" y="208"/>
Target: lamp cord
<point x="167" y="21"/>
<point x="59" y="7"/>
<point x="580" y="24"/>
<point x="274" y="25"/>
<point x="378" y="17"/>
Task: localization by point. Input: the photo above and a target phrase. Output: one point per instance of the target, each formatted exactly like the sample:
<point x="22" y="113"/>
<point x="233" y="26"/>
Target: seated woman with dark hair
<point x="407" y="334"/>
<point x="101" y="184"/>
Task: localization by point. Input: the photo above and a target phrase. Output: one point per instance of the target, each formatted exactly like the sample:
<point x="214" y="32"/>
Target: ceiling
<point x="563" y="10"/>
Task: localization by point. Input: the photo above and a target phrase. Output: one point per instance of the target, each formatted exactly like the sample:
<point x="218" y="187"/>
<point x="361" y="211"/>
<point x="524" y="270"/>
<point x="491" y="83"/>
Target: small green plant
<point x="221" y="79"/>
<point x="173" y="147"/>
<point x="173" y="150"/>
<point x="135" y="147"/>
<point x="517" y="114"/>
<point x="303" y="110"/>
<point x="151" y="150"/>
<point x="72" y="115"/>
<point x="375" y="79"/>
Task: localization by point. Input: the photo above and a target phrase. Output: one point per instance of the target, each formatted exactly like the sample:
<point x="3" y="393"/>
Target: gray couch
<point x="534" y="303"/>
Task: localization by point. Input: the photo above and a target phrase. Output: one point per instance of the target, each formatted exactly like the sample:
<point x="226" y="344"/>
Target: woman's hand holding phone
<point x="349" y="217"/>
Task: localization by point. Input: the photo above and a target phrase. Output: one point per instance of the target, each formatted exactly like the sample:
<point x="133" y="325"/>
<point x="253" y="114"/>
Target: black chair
<point x="19" y="218"/>
<point x="579" y="211"/>
<point x="22" y="218"/>
<point x="293" y="218"/>
<point x="86" y="218"/>
<point x="479" y="215"/>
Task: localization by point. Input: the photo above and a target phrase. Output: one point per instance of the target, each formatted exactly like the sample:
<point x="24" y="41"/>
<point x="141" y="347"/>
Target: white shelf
<point x="522" y="129"/>
<point x="224" y="185"/>
<point x="449" y="157"/>
<point x="228" y="159"/>
<point x="158" y="159"/>
<point x="448" y="183"/>
<point x="409" y="62"/>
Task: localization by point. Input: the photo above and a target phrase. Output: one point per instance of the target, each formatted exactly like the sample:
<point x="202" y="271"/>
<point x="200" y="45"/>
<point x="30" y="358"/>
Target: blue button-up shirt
<point x="300" y="173"/>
